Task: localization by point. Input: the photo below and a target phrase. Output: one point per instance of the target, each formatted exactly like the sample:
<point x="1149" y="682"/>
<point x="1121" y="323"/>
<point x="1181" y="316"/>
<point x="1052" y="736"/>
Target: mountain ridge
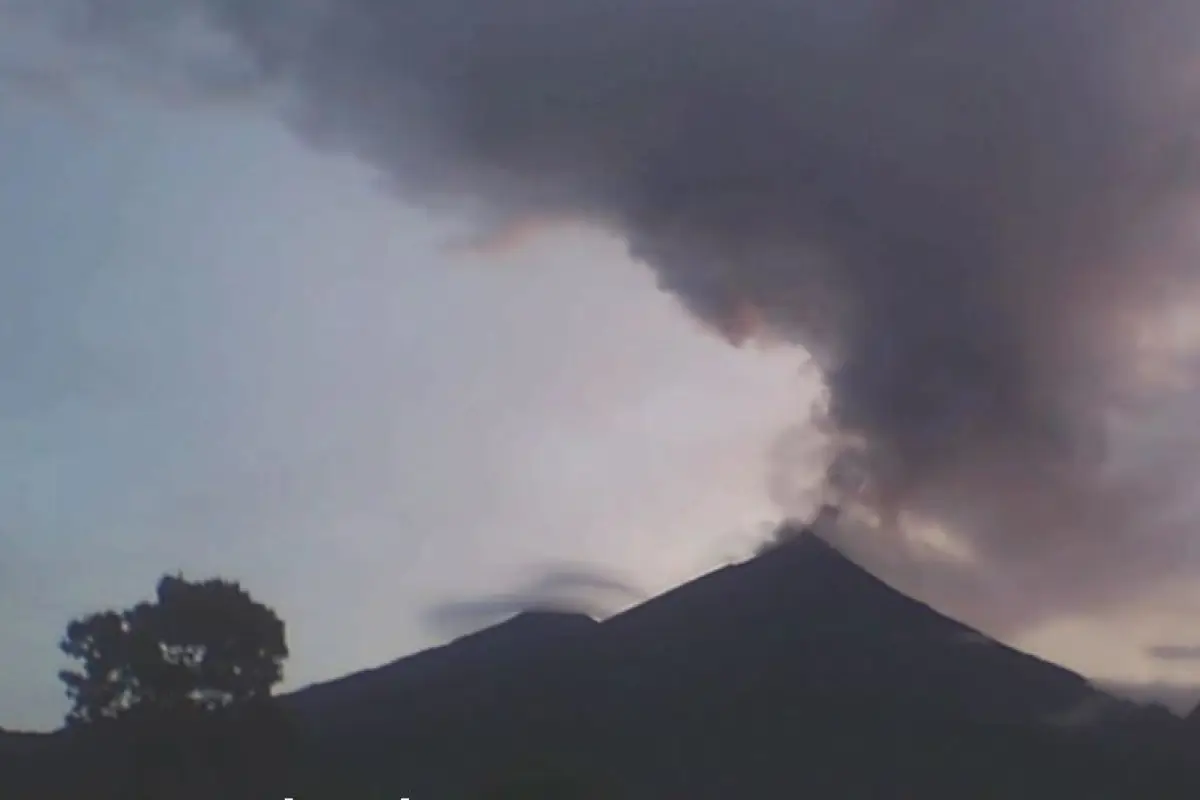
<point x="794" y="673"/>
<point x="804" y="570"/>
<point x="721" y="670"/>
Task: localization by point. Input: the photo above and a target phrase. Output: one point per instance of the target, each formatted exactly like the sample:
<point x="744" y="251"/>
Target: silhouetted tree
<point x="177" y="692"/>
<point x="200" y="646"/>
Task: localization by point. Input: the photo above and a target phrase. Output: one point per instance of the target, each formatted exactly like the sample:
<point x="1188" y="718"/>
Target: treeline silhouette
<point x="169" y="699"/>
<point x="172" y="699"/>
<point x="795" y="675"/>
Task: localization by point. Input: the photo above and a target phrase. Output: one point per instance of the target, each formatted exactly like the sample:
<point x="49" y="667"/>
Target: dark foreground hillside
<point x="794" y="675"/>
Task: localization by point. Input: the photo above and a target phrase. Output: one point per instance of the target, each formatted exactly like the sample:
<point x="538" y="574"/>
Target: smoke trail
<point x="976" y="217"/>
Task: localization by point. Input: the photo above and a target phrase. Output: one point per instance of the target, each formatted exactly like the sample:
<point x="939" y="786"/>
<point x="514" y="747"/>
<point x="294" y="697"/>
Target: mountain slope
<point x="806" y="614"/>
<point x="794" y="671"/>
<point x="801" y="612"/>
<point x="442" y="678"/>
<point x="796" y="674"/>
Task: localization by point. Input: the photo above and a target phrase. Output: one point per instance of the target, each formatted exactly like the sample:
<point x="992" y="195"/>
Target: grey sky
<point x="224" y="353"/>
<point x="229" y="352"/>
<point x="978" y="218"/>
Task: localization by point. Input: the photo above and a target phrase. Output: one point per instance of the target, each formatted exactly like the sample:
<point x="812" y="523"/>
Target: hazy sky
<point x="226" y="353"/>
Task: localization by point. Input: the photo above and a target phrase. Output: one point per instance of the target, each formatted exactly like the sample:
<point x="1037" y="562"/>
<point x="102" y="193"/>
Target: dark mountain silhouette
<point x="1193" y="721"/>
<point x="436" y="682"/>
<point x="795" y="671"/>
<point x="795" y="674"/>
<point x="805" y="614"/>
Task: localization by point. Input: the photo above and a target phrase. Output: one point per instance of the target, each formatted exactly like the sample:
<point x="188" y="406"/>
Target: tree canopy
<point x="203" y="646"/>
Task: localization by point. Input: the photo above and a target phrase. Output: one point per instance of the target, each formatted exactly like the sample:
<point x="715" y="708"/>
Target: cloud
<point x="977" y="218"/>
<point x="1180" y="698"/>
<point x="1175" y="652"/>
<point x="564" y="588"/>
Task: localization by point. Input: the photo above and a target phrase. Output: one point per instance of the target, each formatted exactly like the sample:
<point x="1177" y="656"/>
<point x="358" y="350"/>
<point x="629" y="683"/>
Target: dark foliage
<point x="200" y="646"/>
<point x="172" y="699"/>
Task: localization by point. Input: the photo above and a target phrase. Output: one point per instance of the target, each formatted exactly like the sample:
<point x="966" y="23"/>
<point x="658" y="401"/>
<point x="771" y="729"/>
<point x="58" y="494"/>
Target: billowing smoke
<point x="976" y="217"/>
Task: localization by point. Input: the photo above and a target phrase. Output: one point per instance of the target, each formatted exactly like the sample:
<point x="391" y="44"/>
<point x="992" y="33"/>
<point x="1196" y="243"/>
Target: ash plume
<point x="977" y="218"/>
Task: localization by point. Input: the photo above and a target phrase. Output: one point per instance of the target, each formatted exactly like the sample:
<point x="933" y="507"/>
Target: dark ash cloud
<point x="974" y="216"/>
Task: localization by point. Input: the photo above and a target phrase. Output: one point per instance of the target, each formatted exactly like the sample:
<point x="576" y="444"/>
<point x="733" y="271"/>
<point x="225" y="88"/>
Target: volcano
<point x="794" y="674"/>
